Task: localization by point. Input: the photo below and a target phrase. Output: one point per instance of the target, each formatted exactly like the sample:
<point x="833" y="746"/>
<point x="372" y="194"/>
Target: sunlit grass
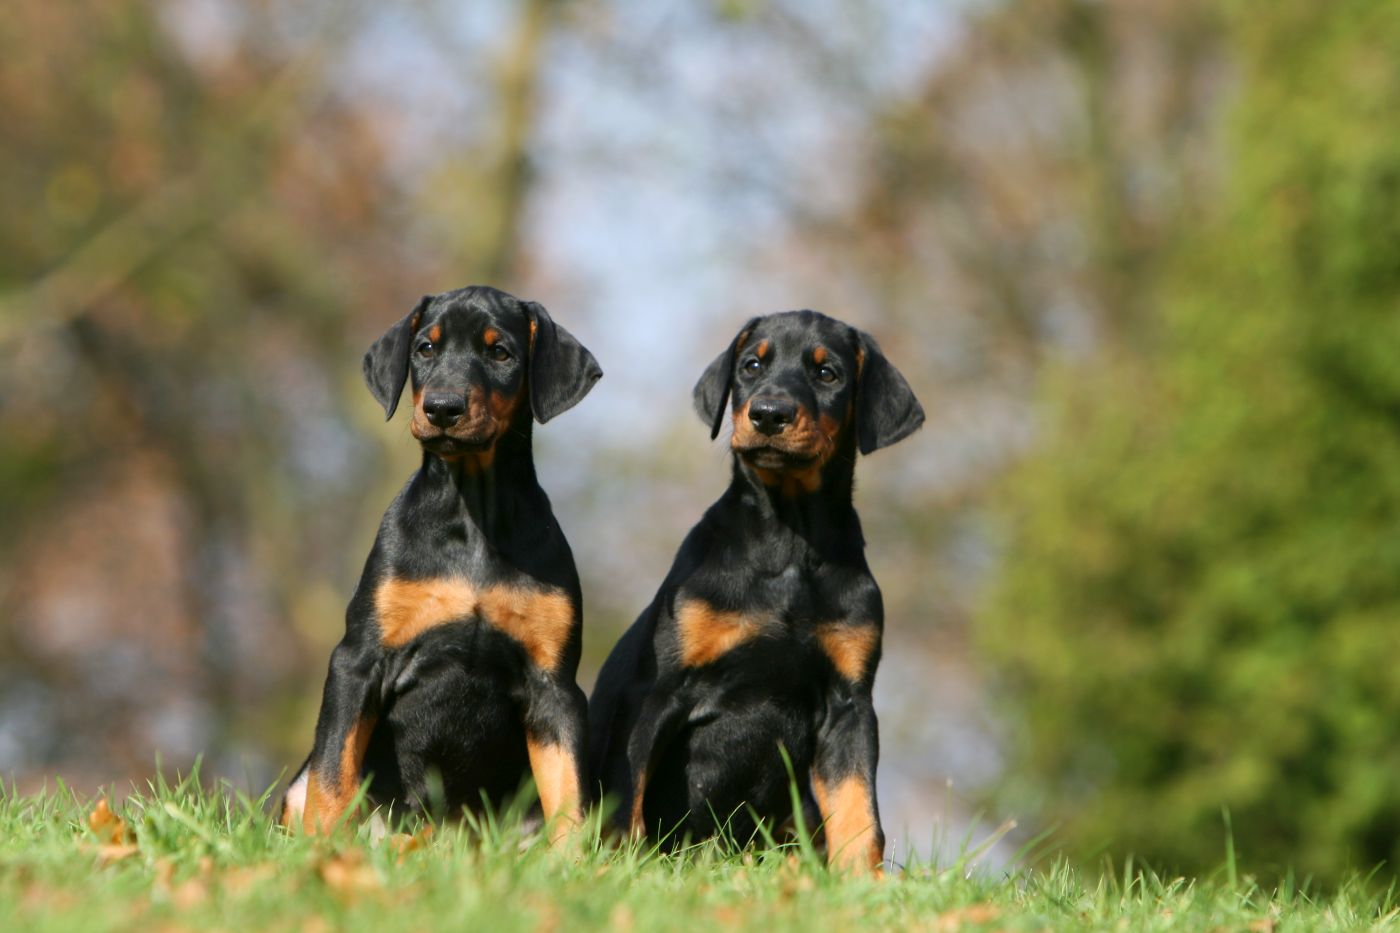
<point x="183" y="856"/>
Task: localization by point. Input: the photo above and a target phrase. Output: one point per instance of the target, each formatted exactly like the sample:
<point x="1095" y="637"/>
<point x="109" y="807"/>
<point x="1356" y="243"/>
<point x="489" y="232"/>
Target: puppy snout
<point x="444" y="409"/>
<point x="772" y="415"/>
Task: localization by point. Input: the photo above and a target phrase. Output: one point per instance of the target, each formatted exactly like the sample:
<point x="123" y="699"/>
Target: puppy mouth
<point x="443" y="443"/>
<point x="770" y="457"/>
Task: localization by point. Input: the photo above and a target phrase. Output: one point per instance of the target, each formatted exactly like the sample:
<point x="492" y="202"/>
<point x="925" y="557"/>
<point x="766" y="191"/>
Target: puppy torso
<point x="455" y="679"/>
<point x="462" y="623"/>
<point x="751" y="671"/>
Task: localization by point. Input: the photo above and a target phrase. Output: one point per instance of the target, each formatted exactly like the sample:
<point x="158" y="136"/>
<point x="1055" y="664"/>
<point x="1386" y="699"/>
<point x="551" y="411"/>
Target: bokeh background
<point x="1140" y="260"/>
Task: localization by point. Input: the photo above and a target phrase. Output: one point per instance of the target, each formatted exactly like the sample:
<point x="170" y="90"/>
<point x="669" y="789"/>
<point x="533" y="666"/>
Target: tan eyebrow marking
<point x="490" y="335"/>
<point x="819" y="355"/>
<point x="762" y="349"/>
<point x="435" y="333"/>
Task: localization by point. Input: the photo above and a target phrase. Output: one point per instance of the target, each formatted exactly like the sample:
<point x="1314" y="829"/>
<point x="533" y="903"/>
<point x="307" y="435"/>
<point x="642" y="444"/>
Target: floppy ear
<point x="562" y="371"/>
<point x="386" y="363"/>
<point x="886" y="409"/>
<point x="711" y="393"/>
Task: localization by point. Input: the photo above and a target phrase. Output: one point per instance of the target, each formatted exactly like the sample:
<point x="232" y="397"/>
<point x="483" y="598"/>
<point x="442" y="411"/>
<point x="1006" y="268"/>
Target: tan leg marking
<point x="707" y="633"/>
<point x="556" y="779"/>
<point x="848" y="820"/>
<point x="637" y="823"/>
<point x="327" y="801"/>
<point x="849" y="647"/>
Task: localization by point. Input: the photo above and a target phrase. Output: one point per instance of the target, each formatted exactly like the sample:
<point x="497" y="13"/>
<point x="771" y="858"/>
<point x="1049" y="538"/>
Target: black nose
<point x="772" y="415"/>
<point x="444" y="409"/>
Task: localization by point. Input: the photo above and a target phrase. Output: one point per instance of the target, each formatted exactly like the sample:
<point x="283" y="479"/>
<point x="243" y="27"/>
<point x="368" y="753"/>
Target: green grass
<point x="193" y="858"/>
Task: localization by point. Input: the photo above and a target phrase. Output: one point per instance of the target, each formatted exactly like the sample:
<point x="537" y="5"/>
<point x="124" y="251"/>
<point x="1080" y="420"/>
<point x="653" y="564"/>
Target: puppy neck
<point x="489" y="487"/>
<point x="815" y="506"/>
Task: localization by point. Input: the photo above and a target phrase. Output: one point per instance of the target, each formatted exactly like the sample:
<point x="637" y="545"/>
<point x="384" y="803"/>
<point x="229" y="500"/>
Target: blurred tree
<point x="1202" y="580"/>
<point x="205" y="224"/>
<point x="176" y="260"/>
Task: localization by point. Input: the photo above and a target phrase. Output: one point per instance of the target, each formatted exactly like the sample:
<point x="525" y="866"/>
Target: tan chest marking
<point x="850" y="647"/>
<point x="707" y="633"/>
<point x="540" y="621"/>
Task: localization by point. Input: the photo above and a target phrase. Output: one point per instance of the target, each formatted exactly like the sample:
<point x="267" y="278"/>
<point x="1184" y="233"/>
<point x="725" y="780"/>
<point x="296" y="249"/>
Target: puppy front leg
<point x="556" y="730"/>
<point x="349" y="711"/>
<point x="843" y="782"/>
<point x="662" y="714"/>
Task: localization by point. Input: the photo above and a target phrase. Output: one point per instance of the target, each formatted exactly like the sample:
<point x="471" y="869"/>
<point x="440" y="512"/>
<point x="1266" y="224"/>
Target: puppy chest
<point x="773" y="642"/>
<point x="539" y="619"/>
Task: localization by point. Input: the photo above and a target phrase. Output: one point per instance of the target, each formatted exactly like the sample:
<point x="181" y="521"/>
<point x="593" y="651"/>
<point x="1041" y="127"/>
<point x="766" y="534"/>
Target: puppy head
<point x="799" y="385"/>
<point x="479" y="359"/>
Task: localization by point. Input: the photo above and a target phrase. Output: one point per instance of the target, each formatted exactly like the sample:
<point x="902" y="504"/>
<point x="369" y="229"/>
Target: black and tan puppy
<point x="455" y="677"/>
<point x="766" y="633"/>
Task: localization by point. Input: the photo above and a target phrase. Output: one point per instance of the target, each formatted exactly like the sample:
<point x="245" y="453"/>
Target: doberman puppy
<point x="456" y="672"/>
<point x="766" y="632"/>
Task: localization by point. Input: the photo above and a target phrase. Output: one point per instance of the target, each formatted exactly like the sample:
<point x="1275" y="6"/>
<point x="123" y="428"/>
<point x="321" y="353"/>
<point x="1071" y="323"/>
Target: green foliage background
<point x="1200" y="602"/>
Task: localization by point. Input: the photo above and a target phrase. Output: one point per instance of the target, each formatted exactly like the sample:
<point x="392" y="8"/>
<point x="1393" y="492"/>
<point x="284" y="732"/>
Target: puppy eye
<point x="498" y="353"/>
<point x="752" y="364"/>
<point x="826" y="374"/>
<point x="424" y="349"/>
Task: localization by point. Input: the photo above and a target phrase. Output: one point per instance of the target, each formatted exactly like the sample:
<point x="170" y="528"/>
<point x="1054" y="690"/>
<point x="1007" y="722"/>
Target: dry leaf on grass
<point x="109" y="854"/>
<point x="1261" y="925"/>
<point x="620" y="919"/>
<point x="239" y="880"/>
<point x="188" y="893"/>
<point x="404" y="843"/>
<point x="109" y="828"/>
<point x="115" y="840"/>
<point x="346" y="873"/>
<point x="972" y="915"/>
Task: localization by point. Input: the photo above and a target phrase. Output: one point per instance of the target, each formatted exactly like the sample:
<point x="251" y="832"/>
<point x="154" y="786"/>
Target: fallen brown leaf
<point x="239" y="881"/>
<point x="621" y="918"/>
<point x="972" y="915"/>
<point x="189" y="893"/>
<point x="107" y="826"/>
<point x="40" y="898"/>
<point x="404" y="843"/>
<point x="730" y="917"/>
<point x="346" y="873"/>
<point x="107" y="854"/>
